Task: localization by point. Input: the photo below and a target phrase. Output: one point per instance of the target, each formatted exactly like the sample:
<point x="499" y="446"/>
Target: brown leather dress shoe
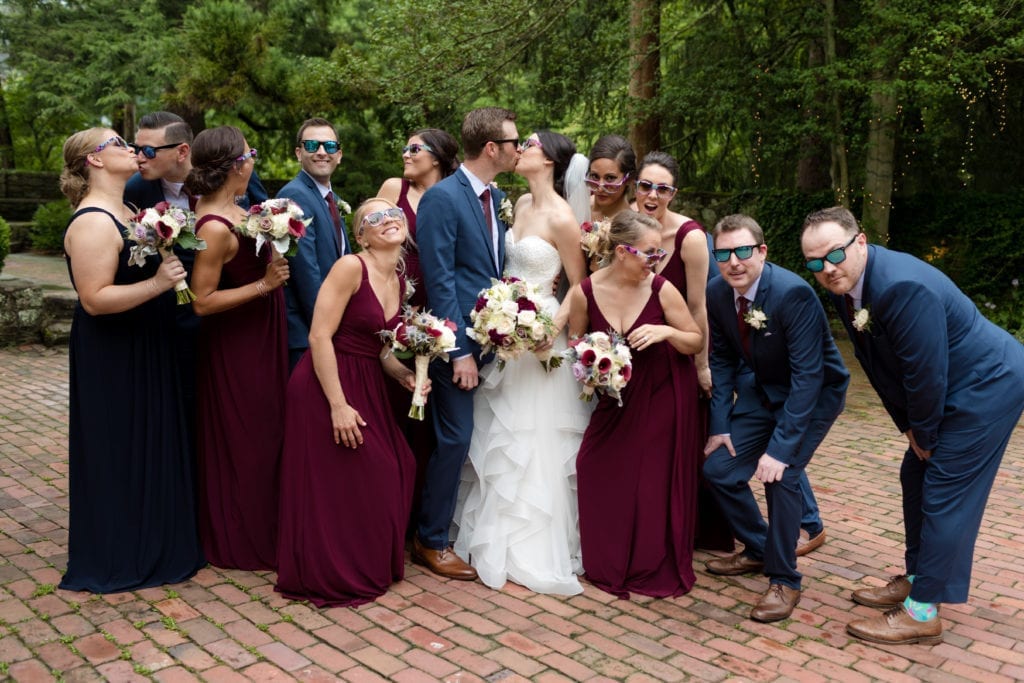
<point x="896" y="627"/>
<point x="442" y="562"/>
<point x="889" y="595"/>
<point x="806" y="544"/>
<point x="775" y="605"/>
<point x="734" y="565"/>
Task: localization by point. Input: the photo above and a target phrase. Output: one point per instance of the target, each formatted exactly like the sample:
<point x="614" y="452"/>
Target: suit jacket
<point x="318" y="251"/>
<point x="934" y="360"/>
<point x="144" y="194"/>
<point x="795" y="369"/>
<point x="455" y="251"/>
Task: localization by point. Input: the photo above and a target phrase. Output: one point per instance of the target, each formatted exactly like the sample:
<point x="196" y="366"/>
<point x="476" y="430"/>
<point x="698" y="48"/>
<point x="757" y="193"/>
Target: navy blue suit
<point x="956" y="380"/>
<point x="457" y="259"/>
<point x="780" y="400"/>
<point x="317" y="253"/>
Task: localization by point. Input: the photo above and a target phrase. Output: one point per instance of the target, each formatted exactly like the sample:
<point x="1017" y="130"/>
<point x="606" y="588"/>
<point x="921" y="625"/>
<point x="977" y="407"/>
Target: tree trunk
<point x="881" y="159"/>
<point x="840" y="169"/>
<point x="6" y="139"/>
<point x="644" y="75"/>
<point x="812" y="170"/>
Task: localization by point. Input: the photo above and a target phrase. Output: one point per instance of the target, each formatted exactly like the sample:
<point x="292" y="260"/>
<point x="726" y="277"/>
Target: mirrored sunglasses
<point x="835" y="257"/>
<point x="330" y="146"/>
<point x="415" y="148"/>
<point x="659" y="189"/>
<point x="378" y="217"/>
<point x="742" y="253"/>
<point x="149" y="151"/>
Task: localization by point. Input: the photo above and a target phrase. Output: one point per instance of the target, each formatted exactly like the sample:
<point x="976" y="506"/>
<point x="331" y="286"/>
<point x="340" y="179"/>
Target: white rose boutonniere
<point x="505" y="211"/>
<point x="862" y="320"/>
<point x="343" y="207"/>
<point x="756" y="318"/>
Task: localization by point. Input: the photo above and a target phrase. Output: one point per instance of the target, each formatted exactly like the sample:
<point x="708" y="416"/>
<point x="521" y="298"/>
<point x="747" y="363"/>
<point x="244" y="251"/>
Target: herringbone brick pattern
<point x="231" y="626"/>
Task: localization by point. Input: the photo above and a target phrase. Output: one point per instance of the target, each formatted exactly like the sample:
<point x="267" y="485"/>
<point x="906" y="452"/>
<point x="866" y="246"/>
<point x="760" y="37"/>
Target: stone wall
<point x="30" y="314"/>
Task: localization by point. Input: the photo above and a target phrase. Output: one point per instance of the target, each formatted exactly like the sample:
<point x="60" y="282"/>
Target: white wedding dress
<point x="517" y="515"/>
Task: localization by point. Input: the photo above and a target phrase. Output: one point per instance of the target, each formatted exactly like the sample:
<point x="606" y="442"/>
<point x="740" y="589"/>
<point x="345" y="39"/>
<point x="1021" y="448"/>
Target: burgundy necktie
<point x="485" y="197"/>
<point x="336" y="218"/>
<point x="741" y="321"/>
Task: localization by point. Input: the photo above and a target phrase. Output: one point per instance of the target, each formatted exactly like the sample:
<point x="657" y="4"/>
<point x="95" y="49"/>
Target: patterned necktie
<point x="336" y="219"/>
<point x="741" y="321"/>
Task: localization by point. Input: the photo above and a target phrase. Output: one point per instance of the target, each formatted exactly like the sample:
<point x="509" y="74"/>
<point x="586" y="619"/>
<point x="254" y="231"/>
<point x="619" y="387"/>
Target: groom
<point x="462" y="246"/>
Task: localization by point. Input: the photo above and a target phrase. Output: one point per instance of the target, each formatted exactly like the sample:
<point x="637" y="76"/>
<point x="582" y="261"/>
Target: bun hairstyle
<point x="627" y="227"/>
<point x="618" y="149"/>
<point x="214" y="152"/>
<point x="558" y="149"/>
<point x="663" y="159"/>
<point x="446" y="149"/>
<point x="74" y="177"/>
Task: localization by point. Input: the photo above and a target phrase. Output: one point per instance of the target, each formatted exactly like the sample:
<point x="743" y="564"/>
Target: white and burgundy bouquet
<point x="156" y="231"/>
<point x="600" y="362"/>
<point x="278" y="221"/>
<point x="424" y="336"/>
<point x="509" y="320"/>
<point x="592" y="233"/>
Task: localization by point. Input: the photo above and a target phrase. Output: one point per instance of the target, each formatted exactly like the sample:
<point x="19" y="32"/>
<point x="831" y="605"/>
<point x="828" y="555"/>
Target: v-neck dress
<point x="344" y="511"/>
<point x="636" y="475"/>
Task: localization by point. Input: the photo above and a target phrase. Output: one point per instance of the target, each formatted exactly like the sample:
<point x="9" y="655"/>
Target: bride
<point x="517" y="513"/>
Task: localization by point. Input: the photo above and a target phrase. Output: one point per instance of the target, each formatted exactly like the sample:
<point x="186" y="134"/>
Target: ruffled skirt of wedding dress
<point x="517" y="513"/>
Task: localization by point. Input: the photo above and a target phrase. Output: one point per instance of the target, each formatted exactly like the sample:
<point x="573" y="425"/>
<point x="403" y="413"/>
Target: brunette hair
<point x="558" y="149"/>
<point x="834" y="214"/>
<point x="315" y="121"/>
<point x="74" y="177"/>
<point x="214" y="154"/>
<point x="618" y="149"/>
<point x="480" y="126"/>
<point x="445" y="148"/>
<point x="739" y="221"/>
<point x="663" y="159"/>
<point x="176" y="130"/>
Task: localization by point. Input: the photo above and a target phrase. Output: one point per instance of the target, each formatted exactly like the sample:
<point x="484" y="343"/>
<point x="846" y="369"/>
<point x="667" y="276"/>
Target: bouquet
<point x="601" y="362"/>
<point x="424" y="336"/>
<point x="508" y="319"/>
<point x="156" y="231"/>
<point x="277" y="221"/>
<point x="591" y="236"/>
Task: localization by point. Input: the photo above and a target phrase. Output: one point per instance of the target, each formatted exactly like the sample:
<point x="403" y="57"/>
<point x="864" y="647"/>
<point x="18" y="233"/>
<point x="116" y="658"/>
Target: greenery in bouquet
<point x="508" y="320"/>
<point x="602" y="363"/>
<point x="159" y="229"/>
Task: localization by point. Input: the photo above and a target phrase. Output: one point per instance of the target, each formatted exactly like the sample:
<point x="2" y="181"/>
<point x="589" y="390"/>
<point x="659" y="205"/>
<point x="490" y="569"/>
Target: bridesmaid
<point x="132" y="504"/>
<point x="430" y="155"/>
<point x="243" y="367"/>
<point x="637" y="504"/>
<point x="686" y="267"/>
<point x="612" y="165"/>
<point x="347" y="473"/>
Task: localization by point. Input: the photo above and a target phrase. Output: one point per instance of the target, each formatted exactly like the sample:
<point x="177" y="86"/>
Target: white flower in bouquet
<point x="591" y="236"/>
<point x="424" y="336"/>
<point x="156" y="231"/>
<point x="279" y="222"/>
<point x="508" y="319"/>
<point x="601" y="363"/>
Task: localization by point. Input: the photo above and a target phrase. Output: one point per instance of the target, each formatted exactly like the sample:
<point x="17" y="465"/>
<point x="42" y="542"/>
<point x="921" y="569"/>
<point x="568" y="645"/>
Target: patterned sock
<point x="920" y="611"/>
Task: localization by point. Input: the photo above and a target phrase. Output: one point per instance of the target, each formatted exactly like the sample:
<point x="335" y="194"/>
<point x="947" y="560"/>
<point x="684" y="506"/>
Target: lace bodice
<point x="532" y="259"/>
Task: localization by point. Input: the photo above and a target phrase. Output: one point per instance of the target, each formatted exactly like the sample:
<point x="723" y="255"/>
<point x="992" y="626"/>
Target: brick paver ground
<point x="231" y="626"/>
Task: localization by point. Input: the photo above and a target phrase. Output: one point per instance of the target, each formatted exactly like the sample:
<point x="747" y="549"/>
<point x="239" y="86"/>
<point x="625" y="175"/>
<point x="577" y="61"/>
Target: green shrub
<point x="5" y="241"/>
<point x="48" y="224"/>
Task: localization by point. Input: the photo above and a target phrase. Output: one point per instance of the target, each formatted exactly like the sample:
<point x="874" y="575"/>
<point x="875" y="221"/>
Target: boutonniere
<point x="862" y="320"/>
<point x="343" y="207"/>
<point x="756" y="318"/>
<point x="505" y="211"/>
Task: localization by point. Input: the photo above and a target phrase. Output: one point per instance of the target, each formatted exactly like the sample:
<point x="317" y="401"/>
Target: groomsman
<point x="462" y="246"/>
<point x="767" y="421"/>
<point x="319" y="153"/>
<point x="952" y="382"/>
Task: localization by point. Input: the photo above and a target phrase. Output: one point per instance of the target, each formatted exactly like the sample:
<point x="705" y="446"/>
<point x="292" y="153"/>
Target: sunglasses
<point x="594" y="182"/>
<point x="416" y="147"/>
<point x="149" y="151"/>
<point x="653" y="258"/>
<point x="514" y="141"/>
<point x="116" y="141"/>
<point x="835" y="257"/>
<point x="742" y="253"/>
<point x="330" y="146"/>
<point x="528" y="143"/>
<point x="378" y="217"/>
<point x="658" y="189"/>
<point x="251" y="154"/>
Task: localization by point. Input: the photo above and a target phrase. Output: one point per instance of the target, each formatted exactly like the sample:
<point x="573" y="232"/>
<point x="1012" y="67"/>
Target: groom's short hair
<point x="482" y="125"/>
<point x="175" y="127"/>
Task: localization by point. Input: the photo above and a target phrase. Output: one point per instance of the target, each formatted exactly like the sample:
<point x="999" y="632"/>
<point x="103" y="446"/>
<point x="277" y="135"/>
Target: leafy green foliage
<point x="48" y="224"/>
<point x="5" y="241"/>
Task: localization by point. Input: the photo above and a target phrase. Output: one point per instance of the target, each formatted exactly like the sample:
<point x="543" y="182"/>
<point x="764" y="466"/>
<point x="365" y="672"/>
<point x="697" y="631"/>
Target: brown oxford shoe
<point x="896" y="627"/>
<point x="734" y="565"/>
<point x="889" y="595"/>
<point x="775" y="605"/>
<point x="442" y="562"/>
<point x="805" y="544"/>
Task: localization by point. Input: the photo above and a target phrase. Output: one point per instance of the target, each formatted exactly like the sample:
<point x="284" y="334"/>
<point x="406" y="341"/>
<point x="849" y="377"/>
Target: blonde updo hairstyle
<point x="74" y="177"/>
<point x="215" y="153"/>
<point x="626" y="228"/>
